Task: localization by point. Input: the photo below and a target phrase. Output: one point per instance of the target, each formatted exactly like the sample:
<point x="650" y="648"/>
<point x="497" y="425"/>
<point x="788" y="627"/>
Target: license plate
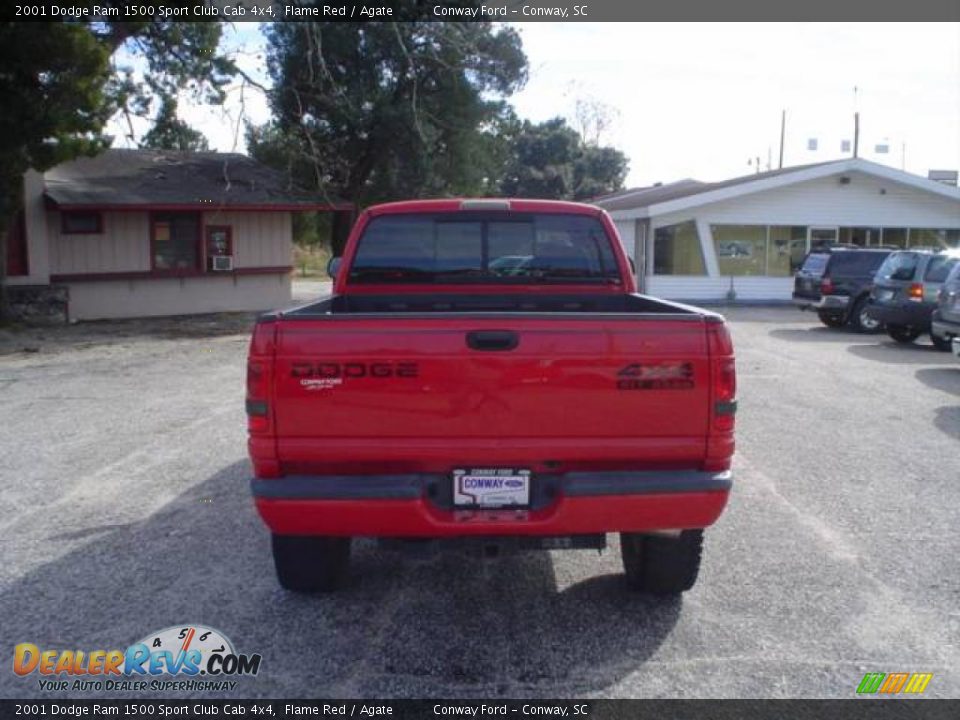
<point x="491" y="487"/>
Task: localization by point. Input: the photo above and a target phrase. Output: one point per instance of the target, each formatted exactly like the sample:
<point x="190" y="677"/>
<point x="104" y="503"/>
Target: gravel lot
<point x="126" y="509"/>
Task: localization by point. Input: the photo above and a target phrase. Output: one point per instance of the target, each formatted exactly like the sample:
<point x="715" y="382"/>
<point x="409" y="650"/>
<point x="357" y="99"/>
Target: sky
<point x="704" y="100"/>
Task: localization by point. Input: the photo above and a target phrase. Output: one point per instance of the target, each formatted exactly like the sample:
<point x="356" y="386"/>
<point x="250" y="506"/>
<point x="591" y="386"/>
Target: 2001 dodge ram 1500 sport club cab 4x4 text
<point x="485" y="372"/>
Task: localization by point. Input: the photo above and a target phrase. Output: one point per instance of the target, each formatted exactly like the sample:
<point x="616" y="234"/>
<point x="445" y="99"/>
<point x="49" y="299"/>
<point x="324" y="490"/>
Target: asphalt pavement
<point x="125" y="508"/>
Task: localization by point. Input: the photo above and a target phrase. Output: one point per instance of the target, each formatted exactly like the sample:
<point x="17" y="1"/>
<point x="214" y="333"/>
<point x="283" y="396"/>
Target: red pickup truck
<point x="485" y="371"/>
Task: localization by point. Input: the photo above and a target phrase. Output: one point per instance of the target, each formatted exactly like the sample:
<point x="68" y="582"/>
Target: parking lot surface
<point x="125" y="509"/>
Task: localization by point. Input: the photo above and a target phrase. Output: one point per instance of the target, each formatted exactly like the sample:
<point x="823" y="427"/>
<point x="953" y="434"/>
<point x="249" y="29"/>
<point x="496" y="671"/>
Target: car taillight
<point x="723" y="377"/>
<point x="915" y="291"/>
<point x="723" y="398"/>
<point x="259" y="367"/>
<point x="826" y="286"/>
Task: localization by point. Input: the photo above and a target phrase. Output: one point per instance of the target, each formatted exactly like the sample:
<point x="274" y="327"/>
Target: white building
<point x="694" y="241"/>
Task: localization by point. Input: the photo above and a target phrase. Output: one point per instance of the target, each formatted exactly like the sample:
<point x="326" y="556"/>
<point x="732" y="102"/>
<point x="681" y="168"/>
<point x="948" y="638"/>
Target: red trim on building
<point x="206" y="242"/>
<point x="161" y="275"/>
<point x="206" y="207"/>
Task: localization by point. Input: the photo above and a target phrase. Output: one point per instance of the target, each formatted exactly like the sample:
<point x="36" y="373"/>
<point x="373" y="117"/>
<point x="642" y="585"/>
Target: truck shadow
<point x="447" y="626"/>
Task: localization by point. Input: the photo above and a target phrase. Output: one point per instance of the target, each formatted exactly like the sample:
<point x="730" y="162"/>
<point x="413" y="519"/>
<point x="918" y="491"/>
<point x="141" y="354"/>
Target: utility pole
<point x="783" y="132"/>
<point x="856" y="124"/>
<point x="856" y="134"/>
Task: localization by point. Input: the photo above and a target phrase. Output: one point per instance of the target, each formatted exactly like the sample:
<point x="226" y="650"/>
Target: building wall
<point x="260" y="239"/>
<point x="94" y="300"/>
<point x="713" y="289"/>
<point x="123" y="246"/>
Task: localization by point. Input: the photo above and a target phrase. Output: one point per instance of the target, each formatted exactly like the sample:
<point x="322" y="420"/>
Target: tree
<point x="59" y="88"/>
<point x="551" y="160"/>
<point x="171" y="133"/>
<point x="371" y="111"/>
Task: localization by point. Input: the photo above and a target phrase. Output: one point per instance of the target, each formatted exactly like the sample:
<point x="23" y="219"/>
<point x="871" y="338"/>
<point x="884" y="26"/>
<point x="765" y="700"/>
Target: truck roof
<point x="473" y="204"/>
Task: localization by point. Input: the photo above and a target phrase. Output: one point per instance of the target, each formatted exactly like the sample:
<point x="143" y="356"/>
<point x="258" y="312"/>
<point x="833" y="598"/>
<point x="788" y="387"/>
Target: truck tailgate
<point x="426" y="394"/>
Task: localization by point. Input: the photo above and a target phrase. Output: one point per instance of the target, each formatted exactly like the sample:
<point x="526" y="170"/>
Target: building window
<point x="896" y="237"/>
<point x="741" y="249"/>
<point x="81" y="222"/>
<point x="175" y="241"/>
<point x="676" y="250"/>
<point x="219" y="242"/>
<point x="786" y="249"/>
<point x="934" y="238"/>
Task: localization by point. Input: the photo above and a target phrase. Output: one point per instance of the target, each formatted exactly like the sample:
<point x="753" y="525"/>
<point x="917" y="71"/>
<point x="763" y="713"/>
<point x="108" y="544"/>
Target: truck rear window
<point x="484" y="247"/>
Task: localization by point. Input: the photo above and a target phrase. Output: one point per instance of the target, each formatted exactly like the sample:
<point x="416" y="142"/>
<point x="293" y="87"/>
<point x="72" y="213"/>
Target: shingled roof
<point x="120" y="178"/>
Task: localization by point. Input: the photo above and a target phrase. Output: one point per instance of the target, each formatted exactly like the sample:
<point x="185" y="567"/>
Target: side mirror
<point x="333" y="264"/>
<point x="633" y="265"/>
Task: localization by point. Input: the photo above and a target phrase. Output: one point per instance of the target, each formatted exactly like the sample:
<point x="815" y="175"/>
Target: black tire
<point x="903" y="333"/>
<point x="831" y="320"/>
<point x="311" y="564"/>
<point x="861" y="320"/>
<point x="941" y="344"/>
<point x="661" y="565"/>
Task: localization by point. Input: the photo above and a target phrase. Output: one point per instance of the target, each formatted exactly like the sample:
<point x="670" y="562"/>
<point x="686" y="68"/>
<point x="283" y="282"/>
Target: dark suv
<point x="905" y="292"/>
<point x="945" y="320"/>
<point x="836" y="283"/>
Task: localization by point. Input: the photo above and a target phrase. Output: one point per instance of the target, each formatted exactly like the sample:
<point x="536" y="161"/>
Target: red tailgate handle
<point x="492" y="340"/>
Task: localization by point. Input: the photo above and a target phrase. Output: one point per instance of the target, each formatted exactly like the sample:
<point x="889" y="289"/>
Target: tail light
<point x="915" y="292"/>
<point x="826" y="286"/>
<point x="723" y="398"/>
<point x="259" y="371"/>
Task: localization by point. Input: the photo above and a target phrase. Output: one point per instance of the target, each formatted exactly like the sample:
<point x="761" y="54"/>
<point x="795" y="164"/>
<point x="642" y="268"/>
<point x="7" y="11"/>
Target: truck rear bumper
<point x="571" y="504"/>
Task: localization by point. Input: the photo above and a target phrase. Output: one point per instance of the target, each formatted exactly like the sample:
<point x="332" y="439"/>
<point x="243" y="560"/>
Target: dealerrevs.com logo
<point x="201" y="658"/>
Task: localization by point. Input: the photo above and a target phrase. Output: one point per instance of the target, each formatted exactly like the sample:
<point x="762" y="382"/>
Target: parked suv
<point x="905" y="292"/>
<point x="945" y="321"/>
<point x="836" y="283"/>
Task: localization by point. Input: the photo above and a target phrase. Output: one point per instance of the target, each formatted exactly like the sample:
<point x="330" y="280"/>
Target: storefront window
<point x="935" y="238"/>
<point x="741" y="249"/>
<point x="895" y="236"/>
<point x="787" y="248"/>
<point x="676" y="250"/>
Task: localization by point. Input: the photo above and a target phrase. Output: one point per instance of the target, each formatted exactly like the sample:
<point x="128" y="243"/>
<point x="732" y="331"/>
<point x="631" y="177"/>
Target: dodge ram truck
<point x="486" y="373"/>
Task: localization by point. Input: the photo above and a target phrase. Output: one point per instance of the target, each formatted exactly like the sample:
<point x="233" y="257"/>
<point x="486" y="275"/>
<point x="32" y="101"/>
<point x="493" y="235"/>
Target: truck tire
<point x="903" y="333"/>
<point x="661" y="565"/>
<point x="831" y="320"/>
<point x="309" y="563"/>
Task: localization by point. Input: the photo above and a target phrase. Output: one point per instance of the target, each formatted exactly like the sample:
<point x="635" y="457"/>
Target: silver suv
<point x="905" y="291"/>
<point x="945" y="322"/>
